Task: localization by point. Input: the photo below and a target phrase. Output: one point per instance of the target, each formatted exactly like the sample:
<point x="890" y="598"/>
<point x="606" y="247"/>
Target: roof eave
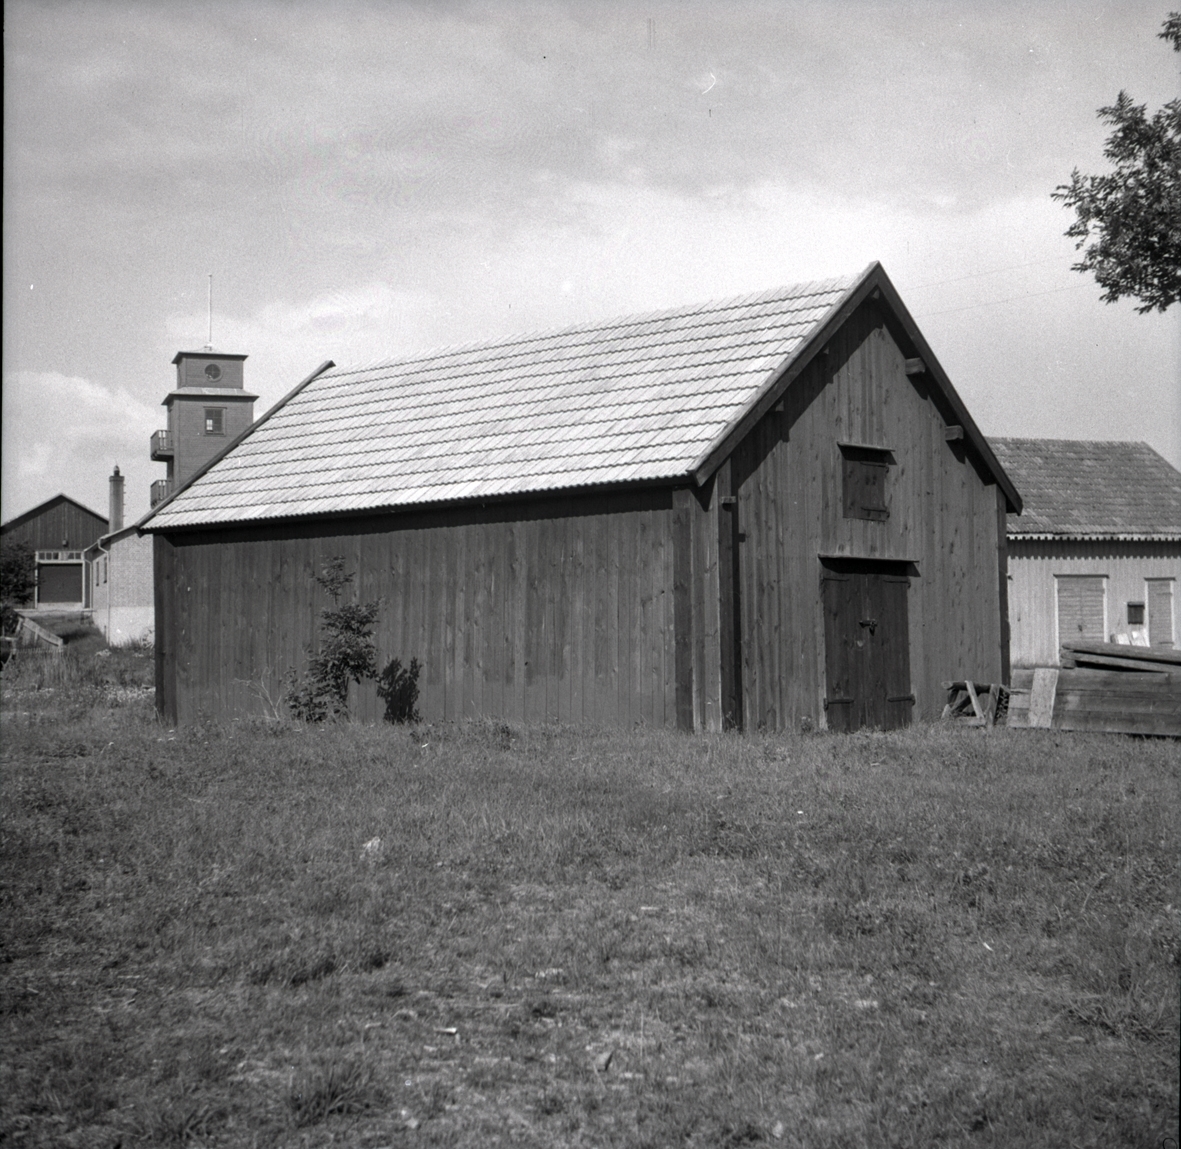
<point x="233" y="394"/>
<point x="972" y="433"/>
<point x="33" y="512"/>
<point x="613" y="487"/>
<point x="873" y="280"/>
<point x="778" y="381"/>
<point x="233" y="443"/>
<point x="113" y="537"/>
<point x="1094" y="536"/>
<point x="208" y="353"/>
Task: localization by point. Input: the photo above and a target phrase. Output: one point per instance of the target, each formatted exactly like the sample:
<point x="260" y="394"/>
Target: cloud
<point x="64" y="434"/>
<point x="366" y="179"/>
<point x="286" y="339"/>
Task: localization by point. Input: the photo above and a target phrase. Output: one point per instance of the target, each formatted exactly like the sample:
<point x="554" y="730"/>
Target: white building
<point x="1096" y="554"/>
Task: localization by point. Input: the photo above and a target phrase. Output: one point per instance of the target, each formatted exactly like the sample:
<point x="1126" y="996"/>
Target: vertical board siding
<point x="787" y="475"/>
<point x="729" y="596"/>
<point x="1003" y="584"/>
<point x="1035" y="566"/>
<point x="682" y="584"/>
<point x="62" y="525"/>
<point x="166" y="600"/>
<point x="561" y="613"/>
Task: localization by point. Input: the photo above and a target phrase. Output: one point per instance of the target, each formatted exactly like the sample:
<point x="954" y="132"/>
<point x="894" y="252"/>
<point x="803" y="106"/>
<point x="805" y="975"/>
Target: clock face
<point x="213" y="372"/>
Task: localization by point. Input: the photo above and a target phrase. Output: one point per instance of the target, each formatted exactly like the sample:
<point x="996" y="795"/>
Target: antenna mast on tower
<point x="209" y="345"/>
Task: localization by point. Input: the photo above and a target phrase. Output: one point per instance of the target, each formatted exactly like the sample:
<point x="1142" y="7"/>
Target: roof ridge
<point x="654" y="397"/>
<point x="1080" y="442"/>
<point x="721" y="304"/>
<point x="52" y="498"/>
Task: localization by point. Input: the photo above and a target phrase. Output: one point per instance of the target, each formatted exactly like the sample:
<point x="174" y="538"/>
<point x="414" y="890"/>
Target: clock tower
<point x="208" y="409"/>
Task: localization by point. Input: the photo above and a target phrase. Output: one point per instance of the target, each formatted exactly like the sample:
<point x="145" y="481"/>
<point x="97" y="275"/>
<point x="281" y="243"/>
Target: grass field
<point x="264" y="935"/>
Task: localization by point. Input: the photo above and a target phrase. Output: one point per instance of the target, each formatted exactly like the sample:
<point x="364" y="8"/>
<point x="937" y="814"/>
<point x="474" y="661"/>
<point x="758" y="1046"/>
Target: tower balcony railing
<point x="161" y="489"/>
<point x="162" y="447"/>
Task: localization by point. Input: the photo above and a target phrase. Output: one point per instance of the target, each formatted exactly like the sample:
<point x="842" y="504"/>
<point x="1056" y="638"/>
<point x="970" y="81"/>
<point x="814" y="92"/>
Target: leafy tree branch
<point x="1129" y="221"/>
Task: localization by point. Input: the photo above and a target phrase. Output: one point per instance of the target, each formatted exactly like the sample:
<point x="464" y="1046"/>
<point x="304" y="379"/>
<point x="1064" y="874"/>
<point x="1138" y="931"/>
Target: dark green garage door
<point x="59" y="583"/>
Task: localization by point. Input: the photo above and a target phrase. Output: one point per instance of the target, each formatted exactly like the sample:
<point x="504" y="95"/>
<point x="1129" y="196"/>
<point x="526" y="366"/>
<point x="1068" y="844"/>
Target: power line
<point x="982" y="274"/>
<point x="996" y="302"/>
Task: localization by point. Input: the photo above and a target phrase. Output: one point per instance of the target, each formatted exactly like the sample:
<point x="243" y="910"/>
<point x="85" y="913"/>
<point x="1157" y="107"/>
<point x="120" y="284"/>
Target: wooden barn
<point x="57" y="531"/>
<point x="767" y="512"/>
<point x="1096" y="555"/>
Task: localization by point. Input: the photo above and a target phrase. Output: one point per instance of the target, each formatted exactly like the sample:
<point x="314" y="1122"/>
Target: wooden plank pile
<point x="976" y="703"/>
<point x="30" y="633"/>
<point x="1102" y="687"/>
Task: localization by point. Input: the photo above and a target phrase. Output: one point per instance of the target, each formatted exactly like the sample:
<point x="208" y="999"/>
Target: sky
<point x="364" y="180"/>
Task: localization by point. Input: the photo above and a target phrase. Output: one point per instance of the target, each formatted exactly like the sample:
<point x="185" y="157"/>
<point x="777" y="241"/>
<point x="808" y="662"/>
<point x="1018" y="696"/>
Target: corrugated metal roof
<point x="1084" y="489"/>
<point x="638" y="398"/>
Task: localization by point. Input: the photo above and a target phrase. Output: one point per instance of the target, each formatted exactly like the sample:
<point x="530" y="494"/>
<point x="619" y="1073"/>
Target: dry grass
<point x="579" y="938"/>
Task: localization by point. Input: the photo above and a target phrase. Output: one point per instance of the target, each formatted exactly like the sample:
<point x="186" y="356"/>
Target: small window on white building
<point x="215" y="420"/>
<point x="1137" y="635"/>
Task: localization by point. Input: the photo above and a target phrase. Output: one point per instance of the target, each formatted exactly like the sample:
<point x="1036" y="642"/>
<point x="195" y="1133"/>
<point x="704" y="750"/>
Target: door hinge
<point x="838" y="702"/>
<point x="901" y="698"/>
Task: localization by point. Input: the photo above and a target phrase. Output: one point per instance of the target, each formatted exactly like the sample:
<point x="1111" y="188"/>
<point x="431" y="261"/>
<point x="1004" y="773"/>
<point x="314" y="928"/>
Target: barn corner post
<point x="682" y="526"/>
<point x="729" y="593"/>
<point x="1002" y="546"/>
<point x="165" y="591"/>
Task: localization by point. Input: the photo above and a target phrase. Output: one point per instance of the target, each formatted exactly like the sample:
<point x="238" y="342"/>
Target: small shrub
<point x="398" y="688"/>
<point x="347" y="653"/>
<point x="18" y="579"/>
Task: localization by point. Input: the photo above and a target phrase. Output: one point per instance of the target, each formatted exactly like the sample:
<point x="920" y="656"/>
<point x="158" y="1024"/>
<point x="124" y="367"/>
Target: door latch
<point x="870" y="624"/>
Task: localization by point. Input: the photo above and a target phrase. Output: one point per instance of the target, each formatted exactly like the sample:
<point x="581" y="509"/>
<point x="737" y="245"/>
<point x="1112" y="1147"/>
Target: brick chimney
<point x="116" y="503"/>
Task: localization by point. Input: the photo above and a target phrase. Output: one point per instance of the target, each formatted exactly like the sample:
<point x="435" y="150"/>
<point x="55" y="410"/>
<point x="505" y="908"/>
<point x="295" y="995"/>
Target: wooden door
<point x="1160" y="611"/>
<point x="867" y="648"/>
<point x="1082" y="608"/>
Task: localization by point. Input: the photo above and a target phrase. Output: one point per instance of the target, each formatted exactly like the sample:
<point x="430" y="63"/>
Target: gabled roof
<point x="662" y="397"/>
<point x="104" y="542"/>
<point x="49" y="504"/>
<point x="1088" y="489"/>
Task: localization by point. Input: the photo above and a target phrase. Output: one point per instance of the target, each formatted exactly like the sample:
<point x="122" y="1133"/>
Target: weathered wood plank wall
<point x="693" y="608"/>
<point x="552" y="611"/>
<point x="943" y="517"/>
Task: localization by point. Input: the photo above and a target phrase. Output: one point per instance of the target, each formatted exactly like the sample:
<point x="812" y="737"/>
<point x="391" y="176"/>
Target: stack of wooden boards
<point x="1102" y="686"/>
<point x="976" y="703"/>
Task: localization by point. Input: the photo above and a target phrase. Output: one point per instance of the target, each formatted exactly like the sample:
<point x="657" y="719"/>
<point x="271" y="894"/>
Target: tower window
<point x="215" y="421"/>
